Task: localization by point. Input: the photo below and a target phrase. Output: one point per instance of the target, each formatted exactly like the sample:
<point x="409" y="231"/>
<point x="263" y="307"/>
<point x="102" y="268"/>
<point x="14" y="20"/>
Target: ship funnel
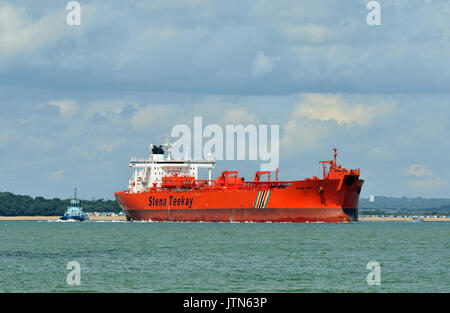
<point x="154" y="149"/>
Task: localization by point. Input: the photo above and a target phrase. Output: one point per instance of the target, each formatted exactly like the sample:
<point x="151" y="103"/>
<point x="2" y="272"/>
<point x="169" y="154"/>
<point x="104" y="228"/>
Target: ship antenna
<point x="335" y="155"/>
<point x="75" y="193"/>
<point x="169" y="146"/>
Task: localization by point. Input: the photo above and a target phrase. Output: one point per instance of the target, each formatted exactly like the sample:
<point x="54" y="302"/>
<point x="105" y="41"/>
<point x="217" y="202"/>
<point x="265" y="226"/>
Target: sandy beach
<point x="401" y="219"/>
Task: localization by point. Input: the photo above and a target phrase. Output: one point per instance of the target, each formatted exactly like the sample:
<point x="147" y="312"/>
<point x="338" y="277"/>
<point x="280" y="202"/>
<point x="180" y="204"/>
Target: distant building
<point x="372" y="198"/>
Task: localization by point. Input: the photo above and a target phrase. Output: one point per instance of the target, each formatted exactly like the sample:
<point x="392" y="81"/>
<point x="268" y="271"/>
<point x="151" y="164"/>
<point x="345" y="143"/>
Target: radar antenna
<point x="169" y="145"/>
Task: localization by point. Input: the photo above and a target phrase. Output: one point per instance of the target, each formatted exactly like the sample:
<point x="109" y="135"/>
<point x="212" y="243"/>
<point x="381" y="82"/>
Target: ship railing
<point x="211" y="185"/>
<point x="204" y="182"/>
<point x="262" y="185"/>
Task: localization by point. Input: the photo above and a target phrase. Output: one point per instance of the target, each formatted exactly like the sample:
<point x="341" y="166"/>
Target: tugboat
<point x="74" y="212"/>
<point x="417" y="219"/>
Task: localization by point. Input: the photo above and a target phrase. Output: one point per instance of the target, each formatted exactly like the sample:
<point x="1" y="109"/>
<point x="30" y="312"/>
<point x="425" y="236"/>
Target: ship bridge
<point x="149" y="172"/>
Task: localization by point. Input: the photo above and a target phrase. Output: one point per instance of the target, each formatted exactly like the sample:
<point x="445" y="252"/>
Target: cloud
<point x="66" y="107"/>
<point x="325" y="47"/>
<point x="425" y="178"/>
<point x="301" y="134"/>
<point x="309" y="123"/>
<point x="155" y="117"/>
<point x="263" y="65"/>
<point x="18" y="33"/>
<point x="431" y="183"/>
<point x="239" y="116"/>
<point x="326" y="107"/>
<point x="418" y="170"/>
<point x="38" y="38"/>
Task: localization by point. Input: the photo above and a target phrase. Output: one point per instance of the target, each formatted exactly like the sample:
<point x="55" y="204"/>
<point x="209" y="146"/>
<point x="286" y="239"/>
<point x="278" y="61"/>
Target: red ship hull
<point x="313" y="200"/>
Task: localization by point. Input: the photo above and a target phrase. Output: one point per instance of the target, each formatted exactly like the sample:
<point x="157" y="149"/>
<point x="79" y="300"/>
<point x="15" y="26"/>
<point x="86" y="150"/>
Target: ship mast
<point x="169" y="147"/>
<point x="332" y="163"/>
<point x="335" y="156"/>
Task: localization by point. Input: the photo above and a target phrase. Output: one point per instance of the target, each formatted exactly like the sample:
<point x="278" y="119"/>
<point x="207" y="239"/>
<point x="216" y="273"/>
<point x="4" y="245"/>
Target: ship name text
<point x="171" y="201"/>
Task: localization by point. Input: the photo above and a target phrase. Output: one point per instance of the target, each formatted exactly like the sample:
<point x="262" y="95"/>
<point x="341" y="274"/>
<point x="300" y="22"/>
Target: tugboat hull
<point x="75" y="218"/>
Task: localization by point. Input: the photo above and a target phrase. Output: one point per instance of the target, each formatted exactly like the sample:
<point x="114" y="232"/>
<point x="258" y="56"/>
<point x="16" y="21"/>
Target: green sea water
<point x="224" y="257"/>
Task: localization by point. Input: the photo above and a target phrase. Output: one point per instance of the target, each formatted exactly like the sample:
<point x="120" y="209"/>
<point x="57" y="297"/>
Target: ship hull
<point x="328" y="201"/>
<point x="74" y="218"/>
<point x="336" y="215"/>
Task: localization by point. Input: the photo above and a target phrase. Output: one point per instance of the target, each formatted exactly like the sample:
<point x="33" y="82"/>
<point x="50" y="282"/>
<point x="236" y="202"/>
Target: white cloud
<point x="326" y="107"/>
<point x="309" y="123"/>
<point x="425" y="178"/>
<point x="155" y="117"/>
<point x="431" y="183"/>
<point x="22" y="33"/>
<point x="418" y="170"/>
<point x="239" y="116"/>
<point x="66" y="107"/>
<point x="301" y="134"/>
<point x="19" y="33"/>
<point x="263" y="65"/>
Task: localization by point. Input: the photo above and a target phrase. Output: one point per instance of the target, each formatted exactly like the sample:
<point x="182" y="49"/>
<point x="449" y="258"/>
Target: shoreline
<point x="55" y="218"/>
<point x="123" y="218"/>
<point x="401" y="219"/>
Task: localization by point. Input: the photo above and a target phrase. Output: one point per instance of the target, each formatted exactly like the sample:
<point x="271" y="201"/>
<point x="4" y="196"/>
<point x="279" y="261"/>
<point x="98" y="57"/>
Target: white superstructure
<point x="149" y="172"/>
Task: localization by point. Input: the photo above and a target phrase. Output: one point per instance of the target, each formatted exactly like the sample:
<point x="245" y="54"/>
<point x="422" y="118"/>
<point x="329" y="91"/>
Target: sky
<point x="76" y="102"/>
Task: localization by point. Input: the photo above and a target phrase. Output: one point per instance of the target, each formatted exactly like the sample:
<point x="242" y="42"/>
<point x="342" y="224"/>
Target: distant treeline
<point x="405" y="206"/>
<point x="16" y="205"/>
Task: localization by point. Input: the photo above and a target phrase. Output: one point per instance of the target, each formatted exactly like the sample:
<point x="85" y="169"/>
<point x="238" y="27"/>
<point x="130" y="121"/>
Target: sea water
<point x="224" y="257"/>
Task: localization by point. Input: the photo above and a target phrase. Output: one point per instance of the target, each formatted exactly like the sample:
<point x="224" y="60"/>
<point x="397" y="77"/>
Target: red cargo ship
<point x="163" y="189"/>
